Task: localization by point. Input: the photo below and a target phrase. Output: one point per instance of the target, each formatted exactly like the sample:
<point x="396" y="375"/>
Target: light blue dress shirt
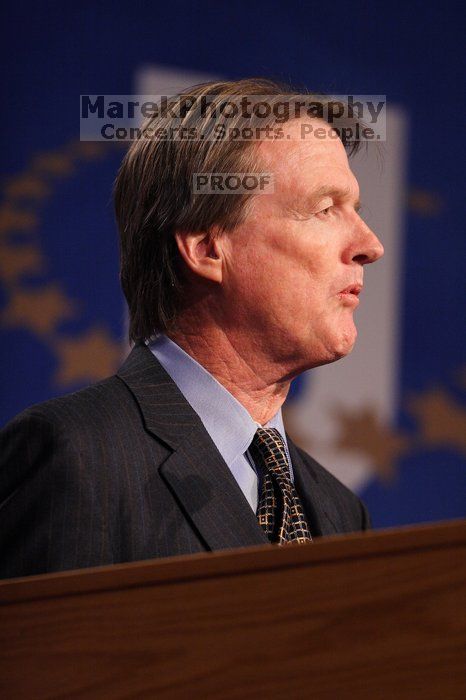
<point x="228" y="423"/>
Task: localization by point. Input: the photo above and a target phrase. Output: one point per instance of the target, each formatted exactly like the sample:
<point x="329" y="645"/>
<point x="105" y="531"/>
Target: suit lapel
<point x="211" y="497"/>
<point x="317" y="503"/>
<point x="195" y="471"/>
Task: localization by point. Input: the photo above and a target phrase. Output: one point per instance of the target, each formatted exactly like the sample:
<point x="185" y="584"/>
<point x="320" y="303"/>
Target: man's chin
<point x="322" y="348"/>
<point x="341" y="345"/>
<point x="348" y="342"/>
<point x="331" y="352"/>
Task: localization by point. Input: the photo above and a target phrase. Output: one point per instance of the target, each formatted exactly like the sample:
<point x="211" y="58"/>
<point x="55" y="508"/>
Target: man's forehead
<point x="316" y="166"/>
<point x="298" y="149"/>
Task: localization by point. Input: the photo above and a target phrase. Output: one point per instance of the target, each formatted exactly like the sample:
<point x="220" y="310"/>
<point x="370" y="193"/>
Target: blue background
<point x="412" y="52"/>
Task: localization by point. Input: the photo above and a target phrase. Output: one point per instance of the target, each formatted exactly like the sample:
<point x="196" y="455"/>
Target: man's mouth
<point x="351" y="293"/>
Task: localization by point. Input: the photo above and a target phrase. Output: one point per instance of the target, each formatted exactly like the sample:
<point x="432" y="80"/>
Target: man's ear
<point x="201" y="252"/>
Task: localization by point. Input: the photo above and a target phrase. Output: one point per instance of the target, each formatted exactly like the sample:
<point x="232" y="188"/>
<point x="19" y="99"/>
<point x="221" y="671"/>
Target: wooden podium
<point x="380" y="615"/>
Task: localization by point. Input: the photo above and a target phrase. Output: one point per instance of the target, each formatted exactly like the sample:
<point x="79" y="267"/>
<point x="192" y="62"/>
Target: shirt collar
<point x="228" y="423"/>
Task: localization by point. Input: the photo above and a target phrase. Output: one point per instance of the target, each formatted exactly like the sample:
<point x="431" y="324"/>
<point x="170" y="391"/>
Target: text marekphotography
<point x="242" y="118"/>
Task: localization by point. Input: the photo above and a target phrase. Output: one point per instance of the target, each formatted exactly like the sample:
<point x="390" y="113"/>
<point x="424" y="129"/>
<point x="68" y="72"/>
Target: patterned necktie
<point x="279" y="511"/>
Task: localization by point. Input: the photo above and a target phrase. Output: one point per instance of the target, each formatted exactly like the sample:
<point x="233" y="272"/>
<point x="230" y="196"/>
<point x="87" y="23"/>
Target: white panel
<point x="367" y="377"/>
<point x="160" y="80"/>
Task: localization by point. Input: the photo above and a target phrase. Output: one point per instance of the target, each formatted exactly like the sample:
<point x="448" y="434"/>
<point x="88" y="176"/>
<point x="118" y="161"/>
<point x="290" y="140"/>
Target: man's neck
<point x="246" y="376"/>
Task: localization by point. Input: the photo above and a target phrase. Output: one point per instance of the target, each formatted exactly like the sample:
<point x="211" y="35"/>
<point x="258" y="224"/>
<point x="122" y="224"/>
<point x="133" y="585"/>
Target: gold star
<point x="424" y="203"/>
<point x="16" y="220"/>
<point x="40" y="310"/>
<point x="442" y="421"/>
<point x="19" y="260"/>
<point x="87" y="150"/>
<point x="27" y="186"/>
<point x="91" y="357"/>
<point x="364" y="432"/>
<point x="53" y="163"/>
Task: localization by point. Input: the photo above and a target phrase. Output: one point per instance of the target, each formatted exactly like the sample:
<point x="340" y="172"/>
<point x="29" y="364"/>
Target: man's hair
<point x="154" y="194"/>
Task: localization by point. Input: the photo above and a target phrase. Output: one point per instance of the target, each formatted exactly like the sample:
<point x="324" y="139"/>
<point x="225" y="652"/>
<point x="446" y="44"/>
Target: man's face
<point x="287" y="266"/>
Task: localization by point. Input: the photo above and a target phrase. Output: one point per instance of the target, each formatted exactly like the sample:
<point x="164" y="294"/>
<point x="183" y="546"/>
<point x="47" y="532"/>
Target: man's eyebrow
<point x="334" y="192"/>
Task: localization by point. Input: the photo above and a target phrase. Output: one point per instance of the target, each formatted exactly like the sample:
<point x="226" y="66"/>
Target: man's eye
<point x="324" y="212"/>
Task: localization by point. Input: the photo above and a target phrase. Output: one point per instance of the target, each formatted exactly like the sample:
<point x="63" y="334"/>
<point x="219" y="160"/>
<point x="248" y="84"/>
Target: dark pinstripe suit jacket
<point x="124" y="470"/>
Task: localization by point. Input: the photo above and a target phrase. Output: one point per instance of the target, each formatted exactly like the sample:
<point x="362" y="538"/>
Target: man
<point x="230" y="296"/>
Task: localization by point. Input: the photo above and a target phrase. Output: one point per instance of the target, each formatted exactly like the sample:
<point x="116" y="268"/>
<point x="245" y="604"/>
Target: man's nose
<point x="368" y="248"/>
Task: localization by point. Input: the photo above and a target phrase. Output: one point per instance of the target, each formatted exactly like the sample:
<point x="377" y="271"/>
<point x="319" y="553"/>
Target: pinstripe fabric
<point x="228" y="423"/>
<point x="124" y="470"/>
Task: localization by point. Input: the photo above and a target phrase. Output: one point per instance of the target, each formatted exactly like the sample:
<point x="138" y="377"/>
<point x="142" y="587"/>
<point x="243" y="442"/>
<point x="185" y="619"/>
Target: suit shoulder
<point x="92" y="406"/>
<point x="58" y="482"/>
<point x="65" y="436"/>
